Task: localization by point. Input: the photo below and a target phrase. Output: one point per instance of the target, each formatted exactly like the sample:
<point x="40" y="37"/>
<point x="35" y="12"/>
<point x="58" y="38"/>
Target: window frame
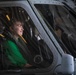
<point x="41" y="26"/>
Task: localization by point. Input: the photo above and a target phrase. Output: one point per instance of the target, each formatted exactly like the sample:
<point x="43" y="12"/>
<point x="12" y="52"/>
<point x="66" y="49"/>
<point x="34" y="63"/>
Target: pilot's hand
<point x="28" y="65"/>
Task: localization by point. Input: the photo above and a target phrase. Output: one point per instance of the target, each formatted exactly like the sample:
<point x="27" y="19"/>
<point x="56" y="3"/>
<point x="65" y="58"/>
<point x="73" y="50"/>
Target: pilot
<point x="58" y="27"/>
<point x="12" y="50"/>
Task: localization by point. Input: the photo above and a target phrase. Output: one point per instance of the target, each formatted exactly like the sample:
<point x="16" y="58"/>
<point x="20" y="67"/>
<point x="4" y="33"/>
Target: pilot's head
<point x="16" y="27"/>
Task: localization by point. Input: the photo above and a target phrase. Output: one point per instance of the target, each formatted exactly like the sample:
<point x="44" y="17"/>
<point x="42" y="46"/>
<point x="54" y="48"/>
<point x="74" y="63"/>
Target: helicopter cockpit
<point x="46" y="23"/>
<point x="35" y="43"/>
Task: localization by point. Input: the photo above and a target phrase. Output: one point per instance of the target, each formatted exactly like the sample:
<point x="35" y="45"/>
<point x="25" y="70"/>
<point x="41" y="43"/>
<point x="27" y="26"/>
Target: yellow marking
<point x="23" y="39"/>
<point x="8" y="17"/>
<point x="1" y="35"/>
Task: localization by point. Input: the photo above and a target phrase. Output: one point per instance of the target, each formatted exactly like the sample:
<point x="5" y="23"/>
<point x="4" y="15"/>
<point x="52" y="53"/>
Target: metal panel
<point x="54" y="2"/>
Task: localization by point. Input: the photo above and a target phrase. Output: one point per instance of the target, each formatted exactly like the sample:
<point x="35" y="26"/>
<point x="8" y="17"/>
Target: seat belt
<point x="24" y="50"/>
<point x="21" y="45"/>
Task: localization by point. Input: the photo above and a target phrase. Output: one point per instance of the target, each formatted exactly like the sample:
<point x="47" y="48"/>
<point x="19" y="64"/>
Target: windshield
<point x="62" y="23"/>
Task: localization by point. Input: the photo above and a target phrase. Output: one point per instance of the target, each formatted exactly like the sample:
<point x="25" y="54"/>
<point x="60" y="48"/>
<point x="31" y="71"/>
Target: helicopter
<point x="49" y="30"/>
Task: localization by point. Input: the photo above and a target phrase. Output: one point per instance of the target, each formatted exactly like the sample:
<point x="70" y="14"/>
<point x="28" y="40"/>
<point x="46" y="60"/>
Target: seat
<point x="4" y="61"/>
<point x="2" y="55"/>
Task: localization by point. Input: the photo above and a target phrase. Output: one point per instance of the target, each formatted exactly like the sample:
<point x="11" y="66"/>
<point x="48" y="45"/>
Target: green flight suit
<point x="13" y="54"/>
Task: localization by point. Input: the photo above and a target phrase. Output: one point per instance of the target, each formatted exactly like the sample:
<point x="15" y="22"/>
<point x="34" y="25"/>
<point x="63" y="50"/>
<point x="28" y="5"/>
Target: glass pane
<point x="61" y="23"/>
<point x="31" y="46"/>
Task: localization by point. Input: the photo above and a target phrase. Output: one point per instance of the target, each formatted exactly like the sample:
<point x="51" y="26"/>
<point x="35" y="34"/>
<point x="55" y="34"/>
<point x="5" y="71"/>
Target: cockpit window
<point x="42" y="56"/>
<point x="60" y="21"/>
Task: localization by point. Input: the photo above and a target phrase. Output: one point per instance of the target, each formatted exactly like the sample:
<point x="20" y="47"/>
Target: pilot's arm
<point x="14" y="55"/>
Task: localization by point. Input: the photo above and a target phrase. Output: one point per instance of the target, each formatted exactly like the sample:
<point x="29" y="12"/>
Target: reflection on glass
<point x="63" y="24"/>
